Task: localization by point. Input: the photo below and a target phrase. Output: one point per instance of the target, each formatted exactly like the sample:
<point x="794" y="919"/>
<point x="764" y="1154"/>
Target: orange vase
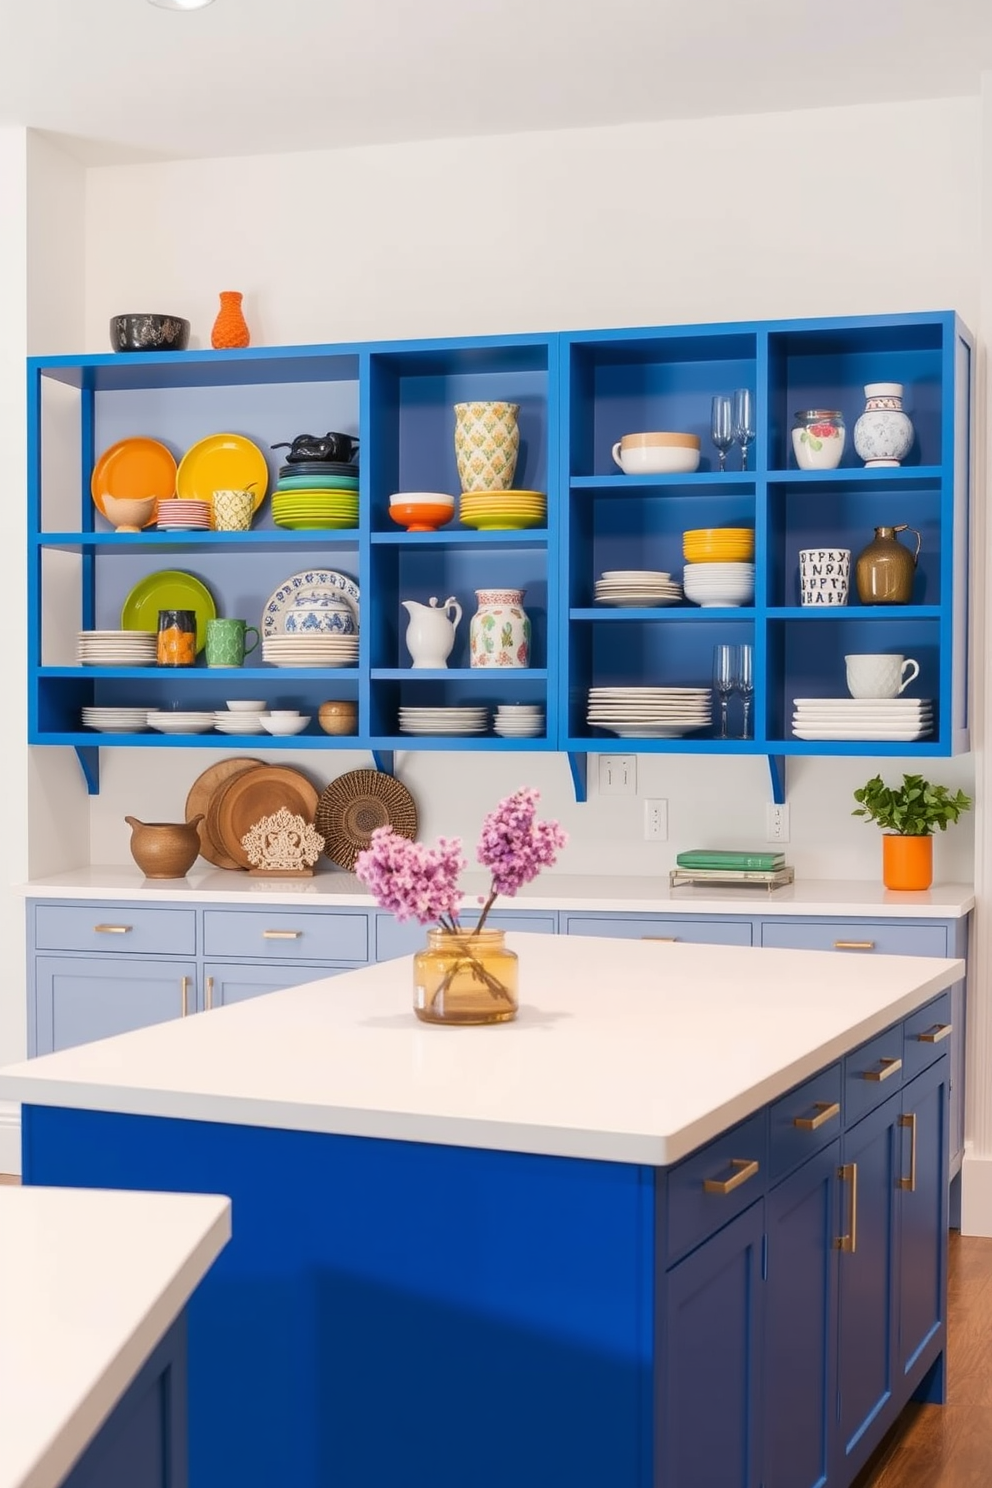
<point x="230" y="327"/>
<point x="907" y="862"/>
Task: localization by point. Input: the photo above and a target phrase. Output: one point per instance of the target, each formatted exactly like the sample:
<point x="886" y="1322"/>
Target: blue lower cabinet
<point x="224" y="984"/>
<point x="710" y="1362"/>
<point x="922" y="1194"/>
<point x="800" y="1324"/>
<point x="81" y="998"/>
<point x="706" y="930"/>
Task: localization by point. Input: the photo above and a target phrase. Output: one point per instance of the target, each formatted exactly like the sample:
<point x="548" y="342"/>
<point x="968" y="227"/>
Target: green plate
<point x="302" y="524"/>
<point x="169" y="589"/>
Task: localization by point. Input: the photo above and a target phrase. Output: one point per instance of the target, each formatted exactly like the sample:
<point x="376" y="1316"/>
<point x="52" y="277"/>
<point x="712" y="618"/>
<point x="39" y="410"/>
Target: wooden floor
<point x="948" y="1446"/>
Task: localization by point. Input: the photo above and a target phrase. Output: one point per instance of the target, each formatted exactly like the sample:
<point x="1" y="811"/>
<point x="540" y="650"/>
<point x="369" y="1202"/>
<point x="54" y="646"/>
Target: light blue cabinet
<point x="224" y="983"/>
<point x="76" y="999"/>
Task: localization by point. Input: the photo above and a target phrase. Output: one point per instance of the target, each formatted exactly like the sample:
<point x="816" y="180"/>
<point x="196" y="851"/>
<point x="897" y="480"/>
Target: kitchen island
<point x="647" y="1236"/>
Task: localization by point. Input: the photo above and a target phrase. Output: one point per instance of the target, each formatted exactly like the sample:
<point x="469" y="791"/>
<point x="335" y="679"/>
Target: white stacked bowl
<point x="710" y="584"/>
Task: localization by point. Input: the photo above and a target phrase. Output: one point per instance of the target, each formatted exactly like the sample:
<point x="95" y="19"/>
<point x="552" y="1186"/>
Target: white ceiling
<point x="121" y="79"/>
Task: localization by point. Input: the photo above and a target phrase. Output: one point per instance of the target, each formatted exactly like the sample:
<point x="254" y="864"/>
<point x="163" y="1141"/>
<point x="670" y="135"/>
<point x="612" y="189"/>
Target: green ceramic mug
<point x="226" y="642"/>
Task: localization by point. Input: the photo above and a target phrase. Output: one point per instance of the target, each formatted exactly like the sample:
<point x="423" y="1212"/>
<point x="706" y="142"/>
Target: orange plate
<point x="131" y="469"/>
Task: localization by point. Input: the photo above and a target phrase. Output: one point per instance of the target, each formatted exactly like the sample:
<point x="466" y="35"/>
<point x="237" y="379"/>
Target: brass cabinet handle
<point x="854" y="945"/>
<point x="746" y="1168"/>
<point x="909" y="1184"/>
<point x="825" y="1111"/>
<point x="849" y="1242"/>
<point x="209" y="994"/>
<point x="935" y="1034"/>
<point x="281" y="934"/>
<point x="669" y="938"/>
<point x="889" y="1067"/>
<point x="112" y="929"/>
<point x="185" y="996"/>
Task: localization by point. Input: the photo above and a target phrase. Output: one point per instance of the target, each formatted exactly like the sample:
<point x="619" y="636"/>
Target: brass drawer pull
<point x="889" y="1067"/>
<point x="281" y="934"/>
<point x="854" y="945"/>
<point x="909" y="1184"/>
<point x="185" y="997"/>
<point x="825" y="1111"/>
<point x="935" y="1034"/>
<point x="209" y="994"/>
<point x="671" y="939"/>
<point x="112" y="929"/>
<point x="849" y="1242"/>
<point x="746" y="1168"/>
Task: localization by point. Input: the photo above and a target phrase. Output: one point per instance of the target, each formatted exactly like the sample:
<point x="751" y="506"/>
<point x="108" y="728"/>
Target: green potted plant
<point x="908" y="814"/>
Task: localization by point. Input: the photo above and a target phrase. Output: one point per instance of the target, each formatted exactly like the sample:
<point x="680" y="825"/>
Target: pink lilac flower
<point x="515" y="846"/>
<point x="409" y="879"/>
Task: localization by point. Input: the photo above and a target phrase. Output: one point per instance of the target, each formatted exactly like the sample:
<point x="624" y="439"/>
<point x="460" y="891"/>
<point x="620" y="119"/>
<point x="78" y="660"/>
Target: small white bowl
<point x="240" y="705"/>
<point x="282" y="712"/>
<point x="422" y="498"/>
<point x="275" y="725"/>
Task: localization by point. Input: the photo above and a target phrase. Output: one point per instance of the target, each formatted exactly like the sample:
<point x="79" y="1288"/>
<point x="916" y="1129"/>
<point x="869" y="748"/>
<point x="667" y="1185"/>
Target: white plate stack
<point x="637" y="588"/>
<point x="116" y="720"/>
<point x="519" y="720"/>
<point x="899" y="720"/>
<point x="443" y="720"/>
<point x="310" y="650"/>
<point x="243" y="722"/>
<point x="650" y="712"/>
<point x="122" y="648"/>
<point x="181" y="515"/>
<point x="180" y="723"/>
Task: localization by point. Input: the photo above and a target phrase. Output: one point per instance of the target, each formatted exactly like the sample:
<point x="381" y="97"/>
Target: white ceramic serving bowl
<point x="241" y="705"/>
<point x="731" y="597"/>
<point x="283" y="724"/>
<point x="422" y="498"/>
<point x="657" y="459"/>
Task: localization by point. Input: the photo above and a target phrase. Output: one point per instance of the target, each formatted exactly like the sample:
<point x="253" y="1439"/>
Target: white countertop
<point x="550" y="892"/>
<point x="628" y="1051"/>
<point x="90" y="1281"/>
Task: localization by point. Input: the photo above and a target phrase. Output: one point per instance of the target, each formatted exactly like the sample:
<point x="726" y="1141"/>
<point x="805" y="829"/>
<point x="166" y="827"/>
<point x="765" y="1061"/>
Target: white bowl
<point x="422" y="498"/>
<point x="252" y="705"/>
<point x="275" y="725"/>
<point x="282" y="713"/>
<point x="658" y="459"/>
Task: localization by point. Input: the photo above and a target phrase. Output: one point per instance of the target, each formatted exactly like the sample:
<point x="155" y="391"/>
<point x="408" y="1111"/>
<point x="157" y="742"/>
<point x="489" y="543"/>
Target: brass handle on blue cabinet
<point x="671" y="939"/>
<point x="909" y="1184"/>
<point x="935" y="1034"/>
<point x="112" y="929"/>
<point x="746" y="1168"/>
<point x="849" y="1242"/>
<point x="854" y="945"/>
<point x="281" y="934"/>
<point x="825" y="1111"/>
<point x="208" y="998"/>
<point x="889" y="1067"/>
<point x="185" y="997"/>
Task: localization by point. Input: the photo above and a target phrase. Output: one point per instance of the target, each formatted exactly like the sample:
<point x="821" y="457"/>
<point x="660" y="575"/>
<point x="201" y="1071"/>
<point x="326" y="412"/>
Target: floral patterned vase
<point x="230" y="329"/>
<point x="499" y="635"/>
<point x="465" y="977"/>
<point x="883" y="434"/>
<point x="487" y="441"/>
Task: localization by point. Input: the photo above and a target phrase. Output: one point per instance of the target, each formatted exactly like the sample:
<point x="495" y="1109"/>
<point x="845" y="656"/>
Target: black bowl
<point x="149" y="333"/>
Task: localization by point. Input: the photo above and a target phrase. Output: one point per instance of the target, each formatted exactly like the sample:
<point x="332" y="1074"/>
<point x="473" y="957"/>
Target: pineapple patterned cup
<point x="487" y="441"/>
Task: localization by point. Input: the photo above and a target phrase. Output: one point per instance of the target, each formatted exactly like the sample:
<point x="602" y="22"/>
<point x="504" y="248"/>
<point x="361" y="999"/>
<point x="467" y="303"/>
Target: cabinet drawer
<point x="109" y="929"/>
<point x="872" y="1073"/>
<point x="716" y="1183"/>
<point x="285" y="935"/>
<point x="804" y="1121"/>
<point x="856" y="937"/>
<point x="661" y="927"/>
<point x="926" y="1035"/>
<point x="395" y="939"/>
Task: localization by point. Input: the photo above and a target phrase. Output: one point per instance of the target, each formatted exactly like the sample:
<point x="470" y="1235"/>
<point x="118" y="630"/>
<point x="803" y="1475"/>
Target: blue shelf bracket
<point x="88" y="756"/>
<point x="578" y="765"/>
<point x="383" y="760"/>
<point x="776" y="769"/>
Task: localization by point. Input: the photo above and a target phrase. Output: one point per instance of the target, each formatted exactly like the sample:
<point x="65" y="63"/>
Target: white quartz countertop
<point x="628" y="1051"/>
<point x="90" y="1281"/>
<point x="549" y="892"/>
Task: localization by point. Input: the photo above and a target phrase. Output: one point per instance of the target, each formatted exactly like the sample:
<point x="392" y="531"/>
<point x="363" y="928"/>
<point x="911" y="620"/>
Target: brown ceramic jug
<point x="885" y="569"/>
<point x="165" y="849"/>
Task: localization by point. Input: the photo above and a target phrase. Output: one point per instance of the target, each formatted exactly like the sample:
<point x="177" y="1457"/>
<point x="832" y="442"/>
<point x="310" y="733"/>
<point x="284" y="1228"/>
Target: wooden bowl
<point x="338" y="718"/>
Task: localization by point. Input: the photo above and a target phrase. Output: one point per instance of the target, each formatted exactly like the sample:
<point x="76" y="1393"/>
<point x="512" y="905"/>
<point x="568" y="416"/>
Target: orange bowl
<point x="421" y="516"/>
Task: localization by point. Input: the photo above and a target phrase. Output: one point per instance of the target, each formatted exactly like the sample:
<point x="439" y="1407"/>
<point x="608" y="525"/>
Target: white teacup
<point x="824" y="576"/>
<point x="880" y="676"/>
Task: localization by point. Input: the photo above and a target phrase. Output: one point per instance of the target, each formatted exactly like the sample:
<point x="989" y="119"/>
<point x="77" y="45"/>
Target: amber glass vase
<point x="465" y="977"/>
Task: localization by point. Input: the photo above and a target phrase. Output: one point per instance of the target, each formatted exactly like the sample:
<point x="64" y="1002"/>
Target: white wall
<point x="843" y="211"/>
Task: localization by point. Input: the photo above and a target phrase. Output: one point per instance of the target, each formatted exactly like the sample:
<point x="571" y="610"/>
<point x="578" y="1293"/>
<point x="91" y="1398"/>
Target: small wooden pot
<point x="165" y="849"/>
<point x="907" y="862"/>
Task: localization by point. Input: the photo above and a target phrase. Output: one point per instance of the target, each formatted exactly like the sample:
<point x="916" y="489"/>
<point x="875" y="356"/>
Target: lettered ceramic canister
<point x="430" y="631"/>
<point x="883" y="434"/>
<point x="499" y="633"/>
<point x="824" y="576"/>
<point x="233" y="510"/>
<point x="227" y="642"/>
<point x="487" y="441"/>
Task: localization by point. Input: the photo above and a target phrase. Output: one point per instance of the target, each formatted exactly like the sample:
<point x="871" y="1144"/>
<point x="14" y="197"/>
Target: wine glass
<point x="722" y="426"/>
<point x="744" y="423"/>
<point x="724" y="674"/>
<point x="744" y="683"/>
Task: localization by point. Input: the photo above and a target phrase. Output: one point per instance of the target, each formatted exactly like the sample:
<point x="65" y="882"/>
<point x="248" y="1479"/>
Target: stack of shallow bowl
<point x="180" y="722"/>
<point x="506" y="511"/>
<point x="183" y="515"/>
<point x="719" y="566"/>
<point x="519" y="720"/>
<point x="112" y="648"/>
<point x="637" y="588"/>
<point x="316" y="494"/>
<point x="116" y="720"/>
<point x="310" y="650"/>
<point x="240" y="717"/>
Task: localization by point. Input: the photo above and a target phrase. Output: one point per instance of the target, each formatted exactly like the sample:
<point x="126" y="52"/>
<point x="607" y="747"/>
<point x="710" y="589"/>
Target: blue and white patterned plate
<point x="309" y="586"/>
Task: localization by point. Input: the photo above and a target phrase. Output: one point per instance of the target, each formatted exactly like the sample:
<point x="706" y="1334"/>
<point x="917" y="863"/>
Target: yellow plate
<point x="222" y="462"/>
<point x="496" y="495"/>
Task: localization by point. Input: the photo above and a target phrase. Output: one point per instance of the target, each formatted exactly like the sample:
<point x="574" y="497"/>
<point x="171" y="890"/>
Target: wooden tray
<point x="255" y="793"/>
<point x="351" y="807"/>
<point x="204" y="788"/>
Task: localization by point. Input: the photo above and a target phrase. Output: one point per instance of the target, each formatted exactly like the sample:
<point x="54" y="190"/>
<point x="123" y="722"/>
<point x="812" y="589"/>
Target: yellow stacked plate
<point x="718" y="545"/>
<point x="305" y="509"/>
<point x="503" y="510"/>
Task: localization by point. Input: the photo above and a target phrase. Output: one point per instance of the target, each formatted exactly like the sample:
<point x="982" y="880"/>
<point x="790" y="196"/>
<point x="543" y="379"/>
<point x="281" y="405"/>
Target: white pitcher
<point x="430" y="634"/>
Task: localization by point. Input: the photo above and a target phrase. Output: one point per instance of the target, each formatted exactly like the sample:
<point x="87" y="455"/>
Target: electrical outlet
<point x="655" y="821"/>
<point x="618" y="775"/>
<point x="776" y="823"/>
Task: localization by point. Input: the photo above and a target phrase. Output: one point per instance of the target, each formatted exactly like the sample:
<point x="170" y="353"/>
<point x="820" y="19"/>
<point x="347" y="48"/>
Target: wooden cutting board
<point x="198" y="802"/>
<point x="246" y="798"/>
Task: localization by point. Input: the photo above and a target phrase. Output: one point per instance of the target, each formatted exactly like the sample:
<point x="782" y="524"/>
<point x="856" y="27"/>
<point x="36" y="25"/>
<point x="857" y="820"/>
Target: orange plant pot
<point x="907" y="862"/>
<point x="230" y="329"/>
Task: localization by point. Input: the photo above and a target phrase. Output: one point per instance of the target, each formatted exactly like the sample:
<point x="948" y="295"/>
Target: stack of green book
<point x="711" y="858"/>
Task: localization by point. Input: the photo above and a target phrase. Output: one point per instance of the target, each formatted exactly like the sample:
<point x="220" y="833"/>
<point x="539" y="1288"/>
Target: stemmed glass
<point x="722" y="426"/>
<point x="744" y="422"/>
<point x="724" y="674"/>
<point x="744" y="683"/>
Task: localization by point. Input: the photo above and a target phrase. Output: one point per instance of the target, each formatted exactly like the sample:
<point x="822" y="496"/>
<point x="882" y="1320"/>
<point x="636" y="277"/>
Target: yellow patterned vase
<point x="487" y="441"/>
<point x="465" y="977"/>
